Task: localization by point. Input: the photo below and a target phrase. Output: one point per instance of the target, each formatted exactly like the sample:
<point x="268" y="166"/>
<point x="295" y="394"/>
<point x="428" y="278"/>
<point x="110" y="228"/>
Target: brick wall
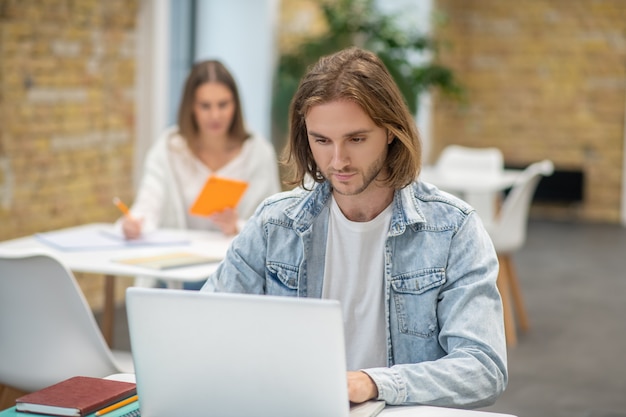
<point x="66" y="115"/>
<point x="544" y="79"/>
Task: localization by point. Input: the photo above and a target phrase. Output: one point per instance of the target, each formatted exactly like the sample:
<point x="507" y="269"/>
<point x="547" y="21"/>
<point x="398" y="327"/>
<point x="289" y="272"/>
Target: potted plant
<point x="360" y="23"/>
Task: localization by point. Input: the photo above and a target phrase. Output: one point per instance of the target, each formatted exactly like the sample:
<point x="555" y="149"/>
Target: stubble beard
<point x="369" y="177"/>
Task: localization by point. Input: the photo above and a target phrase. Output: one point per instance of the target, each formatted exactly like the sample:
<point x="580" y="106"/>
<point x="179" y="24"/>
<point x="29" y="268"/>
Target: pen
<point x="117" y="405"/>
<point x="120" y="205"/>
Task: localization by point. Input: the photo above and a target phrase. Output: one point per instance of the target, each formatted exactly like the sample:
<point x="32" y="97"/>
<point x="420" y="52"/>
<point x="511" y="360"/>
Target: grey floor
<point x="573" y="361"/>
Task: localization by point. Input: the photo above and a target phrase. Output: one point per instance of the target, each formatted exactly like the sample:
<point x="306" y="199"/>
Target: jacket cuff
<point x="390" y="385"/>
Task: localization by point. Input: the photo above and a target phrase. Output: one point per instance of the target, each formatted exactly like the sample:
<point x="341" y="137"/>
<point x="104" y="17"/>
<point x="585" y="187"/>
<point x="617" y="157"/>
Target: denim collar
<point x="310" y="204"/>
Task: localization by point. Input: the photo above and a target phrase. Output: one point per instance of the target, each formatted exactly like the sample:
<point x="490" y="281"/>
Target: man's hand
<point x="361" y="387"/>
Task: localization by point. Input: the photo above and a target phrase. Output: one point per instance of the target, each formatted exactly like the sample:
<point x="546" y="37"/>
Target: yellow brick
<point x="566" y="86"/>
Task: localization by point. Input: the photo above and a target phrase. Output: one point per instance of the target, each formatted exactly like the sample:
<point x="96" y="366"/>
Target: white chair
<point x="47" y="330"/>
<point x="462" y="162"/>
<point x="465" y="159"/>
<point x="508" y="234"/>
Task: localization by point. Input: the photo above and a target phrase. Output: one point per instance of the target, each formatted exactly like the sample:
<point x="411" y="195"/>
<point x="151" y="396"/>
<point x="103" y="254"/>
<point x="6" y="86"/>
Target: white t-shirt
<point x="354" y="275"/>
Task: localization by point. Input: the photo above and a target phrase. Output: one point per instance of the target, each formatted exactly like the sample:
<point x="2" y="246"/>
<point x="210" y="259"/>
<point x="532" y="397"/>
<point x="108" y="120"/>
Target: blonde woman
<point x="210" y="138"/>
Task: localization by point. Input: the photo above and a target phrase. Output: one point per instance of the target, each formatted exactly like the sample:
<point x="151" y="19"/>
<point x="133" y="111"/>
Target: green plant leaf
<point x="358" y="22"/>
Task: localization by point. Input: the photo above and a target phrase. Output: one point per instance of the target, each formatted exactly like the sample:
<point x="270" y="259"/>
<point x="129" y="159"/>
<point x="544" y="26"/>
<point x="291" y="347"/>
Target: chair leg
<point x="516" y="292"/>
<point x="510" y="331"/>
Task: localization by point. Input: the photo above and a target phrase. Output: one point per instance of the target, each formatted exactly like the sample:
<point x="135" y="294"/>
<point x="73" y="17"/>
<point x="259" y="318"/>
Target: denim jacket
<point x="445" y="332"/>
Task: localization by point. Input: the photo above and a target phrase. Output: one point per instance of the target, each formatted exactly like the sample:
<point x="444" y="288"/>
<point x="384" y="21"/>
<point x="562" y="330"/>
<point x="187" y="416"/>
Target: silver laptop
<point x="227" y="355"/>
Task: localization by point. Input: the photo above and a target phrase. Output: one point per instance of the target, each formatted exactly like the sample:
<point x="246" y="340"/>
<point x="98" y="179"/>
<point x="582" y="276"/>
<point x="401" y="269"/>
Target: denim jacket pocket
<point x="282" y="279"/>
<point x="415" y="297"/>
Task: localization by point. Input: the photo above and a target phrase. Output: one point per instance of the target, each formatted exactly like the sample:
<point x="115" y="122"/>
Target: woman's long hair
<point x="201" y="73"/>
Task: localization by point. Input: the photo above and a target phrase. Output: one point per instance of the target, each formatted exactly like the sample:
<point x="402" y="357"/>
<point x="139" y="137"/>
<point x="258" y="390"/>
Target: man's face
<point x="348" y="147"/>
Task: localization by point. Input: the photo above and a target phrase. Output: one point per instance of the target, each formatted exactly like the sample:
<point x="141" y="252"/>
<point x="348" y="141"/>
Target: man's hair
<point x="210" y="71"/>
<point x="359" y="76"/>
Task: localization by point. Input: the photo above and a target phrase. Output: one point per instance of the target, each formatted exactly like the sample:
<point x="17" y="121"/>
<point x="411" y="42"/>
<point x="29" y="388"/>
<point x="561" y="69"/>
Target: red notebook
<point x="76" y="397"/>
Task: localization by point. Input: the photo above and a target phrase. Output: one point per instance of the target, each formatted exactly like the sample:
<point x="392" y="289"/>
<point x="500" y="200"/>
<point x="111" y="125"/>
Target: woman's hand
<point x="131" y="227"/>
<point x="226" y="220"/>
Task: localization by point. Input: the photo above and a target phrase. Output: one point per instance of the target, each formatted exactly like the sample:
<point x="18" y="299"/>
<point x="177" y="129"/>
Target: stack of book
<point x="78" y="397"/>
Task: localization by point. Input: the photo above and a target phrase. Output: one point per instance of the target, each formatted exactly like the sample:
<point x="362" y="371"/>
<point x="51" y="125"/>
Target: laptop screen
<point x="199" y="354"/>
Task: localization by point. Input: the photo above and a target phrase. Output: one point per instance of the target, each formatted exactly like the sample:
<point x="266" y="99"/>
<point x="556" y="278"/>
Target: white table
<point x="395" y="411"/>
<point x="101" y="261"/>
<point x="481" y="191"/>
<point x="426" y="411"/>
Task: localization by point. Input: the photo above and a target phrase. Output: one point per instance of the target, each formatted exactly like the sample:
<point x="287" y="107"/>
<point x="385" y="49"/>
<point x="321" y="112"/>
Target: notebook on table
<point x="199" y="354"/>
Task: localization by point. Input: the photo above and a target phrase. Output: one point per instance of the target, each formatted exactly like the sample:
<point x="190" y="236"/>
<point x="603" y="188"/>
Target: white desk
<point x="479" y="190"/>
<point x="402" y="411"/>
<point x="395" y="411"/>
<point x="426" y="411"/>
<point x="100" y="261"/>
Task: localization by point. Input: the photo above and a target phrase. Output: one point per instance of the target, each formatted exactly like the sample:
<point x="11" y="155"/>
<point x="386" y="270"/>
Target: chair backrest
<point x="466" y="159"/>
<point x="508" y="231"/>
<point x="47" y="330"/>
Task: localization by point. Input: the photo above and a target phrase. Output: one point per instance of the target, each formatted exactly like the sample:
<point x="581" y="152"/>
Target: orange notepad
<point x="218" y="194"/>
<point x="76" y="396"/>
